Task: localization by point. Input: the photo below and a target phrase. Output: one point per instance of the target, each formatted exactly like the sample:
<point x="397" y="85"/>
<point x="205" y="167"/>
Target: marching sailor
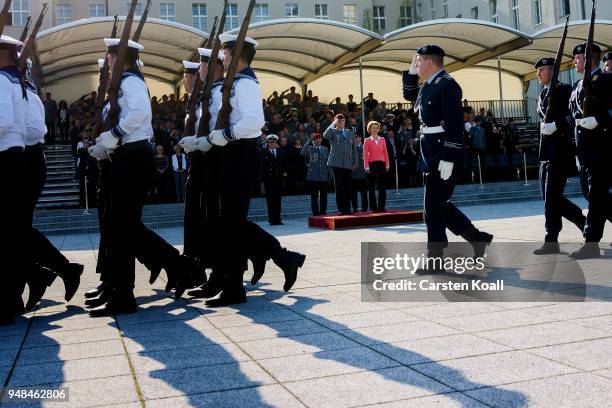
<point x="438" y="103"/>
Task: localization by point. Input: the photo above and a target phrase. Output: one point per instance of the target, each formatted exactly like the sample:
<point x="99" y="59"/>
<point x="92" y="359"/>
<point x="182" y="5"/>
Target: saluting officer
<point x="556" y="155"/>
<point x="592" y="149"/>
<point x="438" y="104"/>
<point x="273" y="166"/>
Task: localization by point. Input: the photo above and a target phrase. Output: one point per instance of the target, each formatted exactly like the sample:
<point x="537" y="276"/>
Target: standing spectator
<point x="466" y="107"/>
<point x="376" y="163"/>
<point x="82" y="166"/>
<point x="50" y="117"/>
<point x="63" y="119"/>
<point x="393" y="150"/>
<point x="351" y="105"/>
<point x="75" y="135"/>
<point x="478" y="144"/>
<point x="273" y="168"/>
<point x="342" y="160"/>
<point x="318" y="173"/>
<point x="296" y="167"/>
<point x="369" y="102"/>
<point x="511" y="140"/>
<point x="337" y="106"/>
<point x="161" y="173"/>
<point x="359" y="183"/>
<point x="179" y="166"/>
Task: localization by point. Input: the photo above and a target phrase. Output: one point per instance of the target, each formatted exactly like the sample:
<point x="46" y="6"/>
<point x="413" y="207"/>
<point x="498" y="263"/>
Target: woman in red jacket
<point x="376" y="163"/>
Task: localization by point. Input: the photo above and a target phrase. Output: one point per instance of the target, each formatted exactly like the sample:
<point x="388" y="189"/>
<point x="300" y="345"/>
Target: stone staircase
<point x="74" y="221"/>
<point x="61" y="189"/>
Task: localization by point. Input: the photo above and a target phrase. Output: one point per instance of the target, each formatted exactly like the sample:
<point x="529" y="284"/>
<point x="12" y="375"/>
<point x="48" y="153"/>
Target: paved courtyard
<point x="320" y="345"/>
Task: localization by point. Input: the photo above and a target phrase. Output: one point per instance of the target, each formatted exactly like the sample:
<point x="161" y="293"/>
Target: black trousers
<point x="440" y="213"/>
<point x="359" y="187"/>
<point x="342" y="182"/>
<point x="595" y="183"/>
<point x="318" y="197"/>
<point x="553" y="177"/>
<point x="15" y="231"/>
<point x="50" y="136"/>
<point x="376" y="181"/>
<point x="42" y="250"/>
<point x="202" y="212"/>
<point x="273" y="186"/>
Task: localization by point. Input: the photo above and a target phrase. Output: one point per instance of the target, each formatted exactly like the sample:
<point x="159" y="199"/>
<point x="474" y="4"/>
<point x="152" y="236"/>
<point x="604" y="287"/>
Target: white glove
<point x="548" y="129"/>
<point x="107" y="140"/>
<point x="98" y="152"/>
<point x="188" y="143"/>
<point x="589" y="122"/>
<point x="446" y="169"/>
<point x="202" y="144"/>
<point x="413" y="70"/>
<point x="216" y="138"/>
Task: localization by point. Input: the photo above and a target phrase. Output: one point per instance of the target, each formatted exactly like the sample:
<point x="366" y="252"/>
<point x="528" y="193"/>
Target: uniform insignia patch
<point x="437" y="81"/>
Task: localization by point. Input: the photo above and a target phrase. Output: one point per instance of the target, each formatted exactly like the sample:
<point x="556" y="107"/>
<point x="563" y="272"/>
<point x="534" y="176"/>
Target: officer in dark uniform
<point x="556" y="156"/>
<point x="592" y="148"/>
<point x="438" y="104"/>
<point x="274" y="165"/>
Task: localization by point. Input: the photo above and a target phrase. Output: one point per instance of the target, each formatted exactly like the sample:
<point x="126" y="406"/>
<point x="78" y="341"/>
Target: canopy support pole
<point x="363" y="124"/>
<point x="501" y="92"/>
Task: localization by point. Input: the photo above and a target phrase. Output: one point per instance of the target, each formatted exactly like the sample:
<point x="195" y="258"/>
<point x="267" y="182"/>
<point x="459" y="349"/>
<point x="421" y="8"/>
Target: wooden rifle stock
<point x="587" y="81"/>
<point x="28" y="48"/>
<point x="550" y="114"/>
<point x="226" y="109"/>
<point x="141" y="23"/>
<point x="101" y="96"/>
<point x="4" y="15"/>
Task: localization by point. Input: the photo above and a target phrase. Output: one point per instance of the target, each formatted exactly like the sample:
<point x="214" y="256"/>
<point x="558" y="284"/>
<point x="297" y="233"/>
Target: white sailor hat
<point x="205" y="54"/>
<point x="101" y="62"/>
<point x="272" y="138"/>
<point x="191" y="67"/>
<point x="6" y="40"/>
<point x="113" y="42"/>
<point x="228" y="40"/>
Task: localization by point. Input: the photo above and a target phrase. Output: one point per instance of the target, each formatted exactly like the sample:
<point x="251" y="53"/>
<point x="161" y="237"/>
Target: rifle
<point x="101" y="96"/>
<point x="226" y="109"/>
<point x="4" y="15"/>
<point x="587" y="81"/>
<point x="24" y="33"/>
<point x="112" y="118"/>
<point x="28" y="47"/>
<point x="549" y="117"/>
<point x="141" y="23"/>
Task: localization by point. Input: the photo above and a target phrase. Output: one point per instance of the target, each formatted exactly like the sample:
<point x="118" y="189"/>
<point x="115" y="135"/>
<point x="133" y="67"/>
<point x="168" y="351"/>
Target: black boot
<point x="259" y="267"/>
<point x="233" y="295"/>
<point x="549" y="247"/>
<point x="102" y="298"/>
<point x="180" y="271"/>
<point x="289" y="262"/>
<point x="211" y="288"/>
<point x="95" y="292"/>
<point x="39" y="279"/>
<point x="586" y="251"/>
<point x="155" y="271"/>
<point x="72" y="279"/>
<point x="121" y="302"/>
<point x="478" y="239"/>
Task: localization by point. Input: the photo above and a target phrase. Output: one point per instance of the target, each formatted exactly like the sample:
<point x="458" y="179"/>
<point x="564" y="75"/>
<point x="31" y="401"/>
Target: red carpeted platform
<point x="367" y="219"/>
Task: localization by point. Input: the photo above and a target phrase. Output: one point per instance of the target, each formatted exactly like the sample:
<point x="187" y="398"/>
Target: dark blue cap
<point x="431" y="50"/>
<point x="544" y="62"/>
<point x="581" y="48"/>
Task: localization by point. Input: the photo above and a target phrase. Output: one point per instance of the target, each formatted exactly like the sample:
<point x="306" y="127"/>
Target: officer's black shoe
<point x="586" y="251"/>
<point x="40" y="279"/>
<point x="259" y="267"/>
<point x="180" y="271"/>
<point x="208" y="290"/>
<point x="479" y="241"/>
<point x="289" y="262"/>
<point x="72" y="279"/>
<point x="228" y="297"/>
<point x="547" y="248"/>
<point x="95" y="292"/>
<point x="155" y="271"/>
<point x="120" y="303"/>
<point x="198" y="277"/>
<point x="104" y="297"/>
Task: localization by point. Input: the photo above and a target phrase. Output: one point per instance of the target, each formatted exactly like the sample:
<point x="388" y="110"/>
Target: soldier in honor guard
<point x="592" y="147"/>
<point x="13" y="205"/>
<point x="237" y="239"/>
<point x="607" y="61"/>
<point x="556" y="155"/>
<point x="130" y="177"/>
<point x="438" y="104"/>
<point x="273" y="167"/>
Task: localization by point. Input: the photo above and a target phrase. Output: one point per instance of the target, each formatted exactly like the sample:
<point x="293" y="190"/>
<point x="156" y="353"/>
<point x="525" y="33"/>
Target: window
<point x="292" y="10"/>
<point x="96" y="10"/>
<point x="200" y="16"/>
<point x="320" y="11"/>
<point x="350" y="13"/>
<point x="19" y="11"/>
<point x="167" y="11"/>
<point x="261" y="12"/>
<point x="432" y="9"/>
<point x="445" y="9"/>
<point x="493" y="10"/>
<point x="380" y="23"/>
<point x="405" y="16"/>
<point x="564" y="8"/>
<point x="516" y="23"/>
<point x="63" y="13"/>
<point x="138" y="11"/>
<point x="419" y="15"/>
<point x="537" y="12"/>
<point x="231" y="19"/>
<point x="474" y="13"/>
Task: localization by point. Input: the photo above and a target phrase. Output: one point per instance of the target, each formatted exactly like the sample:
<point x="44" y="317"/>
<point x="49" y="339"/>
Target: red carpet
<point x="367" y="219"/>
